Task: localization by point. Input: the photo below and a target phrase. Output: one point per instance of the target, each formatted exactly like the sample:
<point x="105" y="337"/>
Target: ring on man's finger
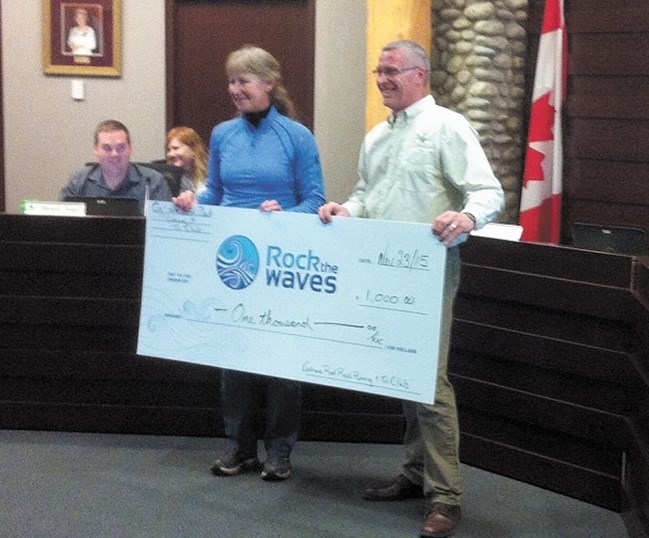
<point x="453" y="226"/>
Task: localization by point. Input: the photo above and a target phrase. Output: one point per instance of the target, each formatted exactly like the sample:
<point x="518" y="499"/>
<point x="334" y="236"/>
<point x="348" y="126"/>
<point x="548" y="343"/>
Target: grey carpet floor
<point x="69" y="485"/>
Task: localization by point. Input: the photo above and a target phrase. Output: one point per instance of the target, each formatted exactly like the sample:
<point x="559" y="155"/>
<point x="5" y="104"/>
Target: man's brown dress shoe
<point x="441" y="520"/>
<point x="399" y="489"/>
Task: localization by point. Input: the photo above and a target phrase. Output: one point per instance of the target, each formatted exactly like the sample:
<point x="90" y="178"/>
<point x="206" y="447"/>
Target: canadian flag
<point x="540" y="209"/>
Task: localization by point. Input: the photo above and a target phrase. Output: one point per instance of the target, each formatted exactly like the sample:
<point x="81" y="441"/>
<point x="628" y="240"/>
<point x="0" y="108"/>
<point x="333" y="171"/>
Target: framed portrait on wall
<point x="82" y="38"/>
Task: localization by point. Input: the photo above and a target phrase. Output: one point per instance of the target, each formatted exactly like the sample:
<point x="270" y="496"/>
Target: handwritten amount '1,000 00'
<point x="386" y="299"/>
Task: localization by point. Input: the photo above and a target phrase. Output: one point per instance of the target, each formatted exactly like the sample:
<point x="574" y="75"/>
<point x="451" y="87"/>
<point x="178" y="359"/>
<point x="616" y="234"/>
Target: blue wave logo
<point x="237" y="262"/>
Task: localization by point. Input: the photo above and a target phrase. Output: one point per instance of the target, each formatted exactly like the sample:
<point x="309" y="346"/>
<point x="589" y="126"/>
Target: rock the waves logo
<point x="237" y="262"/>
<point x="299" y="271"/>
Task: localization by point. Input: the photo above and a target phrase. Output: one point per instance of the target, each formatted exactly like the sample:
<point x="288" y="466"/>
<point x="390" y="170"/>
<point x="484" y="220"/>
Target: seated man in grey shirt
<point x="115" y="176"/>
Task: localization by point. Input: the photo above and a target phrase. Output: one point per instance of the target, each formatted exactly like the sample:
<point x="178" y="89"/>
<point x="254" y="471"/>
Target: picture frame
<point x="82" y="38"/>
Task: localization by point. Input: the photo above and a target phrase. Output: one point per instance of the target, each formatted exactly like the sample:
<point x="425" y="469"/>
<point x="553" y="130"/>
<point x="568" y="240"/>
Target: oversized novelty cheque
<point x="354" y="304"/>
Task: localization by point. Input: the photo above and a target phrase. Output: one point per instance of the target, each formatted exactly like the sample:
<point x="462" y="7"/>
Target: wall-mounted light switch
<point x="78" y="89"/>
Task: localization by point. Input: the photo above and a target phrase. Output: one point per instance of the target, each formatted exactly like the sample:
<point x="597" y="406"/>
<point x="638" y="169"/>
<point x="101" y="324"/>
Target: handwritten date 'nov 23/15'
<point x="400" y="259"/>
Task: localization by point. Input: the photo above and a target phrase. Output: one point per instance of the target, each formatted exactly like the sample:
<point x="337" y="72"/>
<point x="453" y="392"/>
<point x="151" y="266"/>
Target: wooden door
<point x="200" y="35"/>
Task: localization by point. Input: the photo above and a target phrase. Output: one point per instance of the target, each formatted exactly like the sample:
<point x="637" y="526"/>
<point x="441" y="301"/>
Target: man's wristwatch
<point x="470" y="216"/>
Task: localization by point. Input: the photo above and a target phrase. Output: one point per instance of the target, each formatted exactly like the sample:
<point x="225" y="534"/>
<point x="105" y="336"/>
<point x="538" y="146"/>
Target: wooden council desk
<point x="550" y="358"/>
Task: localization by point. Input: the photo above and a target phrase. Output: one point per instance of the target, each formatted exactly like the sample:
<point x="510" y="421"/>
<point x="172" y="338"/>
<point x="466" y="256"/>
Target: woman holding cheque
<point x="261" y="159"/>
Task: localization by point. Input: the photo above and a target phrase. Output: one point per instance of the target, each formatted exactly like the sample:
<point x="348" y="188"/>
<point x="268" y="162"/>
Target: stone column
<point x="478" y="69"/>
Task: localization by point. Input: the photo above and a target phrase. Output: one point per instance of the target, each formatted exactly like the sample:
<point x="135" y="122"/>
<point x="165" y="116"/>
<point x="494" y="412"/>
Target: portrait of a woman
<point x="82" y="38"/>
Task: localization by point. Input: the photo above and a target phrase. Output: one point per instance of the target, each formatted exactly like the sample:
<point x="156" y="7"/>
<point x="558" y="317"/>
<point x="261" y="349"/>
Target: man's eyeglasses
<point x="391" y="72"/>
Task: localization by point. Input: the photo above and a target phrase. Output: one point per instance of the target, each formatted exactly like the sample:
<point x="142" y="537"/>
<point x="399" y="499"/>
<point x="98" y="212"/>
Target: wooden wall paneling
<point x="84" y="417"/>
<point x="107" y="392"/>
<point x="542" y="411"/>
<point x="623" y="17"/>
<point x="558" y="294"/>
<point x="609" y="181"/>
<point x="41" y="269"/>
<point x="636" y="472"/>
<point x="87" y="230"/>
<point x="528" y="378"/>
<point x="608" y="213"/>
<point x="99" y="363"/>
<point x="79" y="312"/>
<point x="552" y="445"/>
<point x="362" y="417"/>
<point x="34" y="283"/>
<point x="615" y="96"/>
<point x="558" y="324"/>
<point x="571" y="358"/>
<point x="635" y="509"/>
<point x="612" y="140"/>
<point x="554" y="474"/>
<point x="556" y="263"/>
<point x="518" y="340"/>
<point x="607" y="113"/>
<point x="537" y="446"/>
<point x="607" y="54"/>
<point x="70" y="305"/>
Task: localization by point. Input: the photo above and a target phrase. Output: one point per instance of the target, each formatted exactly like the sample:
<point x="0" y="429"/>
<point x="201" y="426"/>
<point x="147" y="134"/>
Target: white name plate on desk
<point x="54" y="209"/>
<point x="354" y="304"/>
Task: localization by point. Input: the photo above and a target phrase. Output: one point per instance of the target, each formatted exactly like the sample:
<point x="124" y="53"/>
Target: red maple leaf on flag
<point x="541" y="130"/>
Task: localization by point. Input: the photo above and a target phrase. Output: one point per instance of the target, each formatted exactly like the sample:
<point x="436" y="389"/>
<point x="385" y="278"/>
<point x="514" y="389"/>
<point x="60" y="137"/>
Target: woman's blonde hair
<point x="191" y="138"/>
<point x="260" y="62"/>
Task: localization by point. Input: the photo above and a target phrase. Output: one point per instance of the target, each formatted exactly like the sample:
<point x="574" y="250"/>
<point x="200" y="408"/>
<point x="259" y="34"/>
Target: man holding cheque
<point x="424" y="164"/>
